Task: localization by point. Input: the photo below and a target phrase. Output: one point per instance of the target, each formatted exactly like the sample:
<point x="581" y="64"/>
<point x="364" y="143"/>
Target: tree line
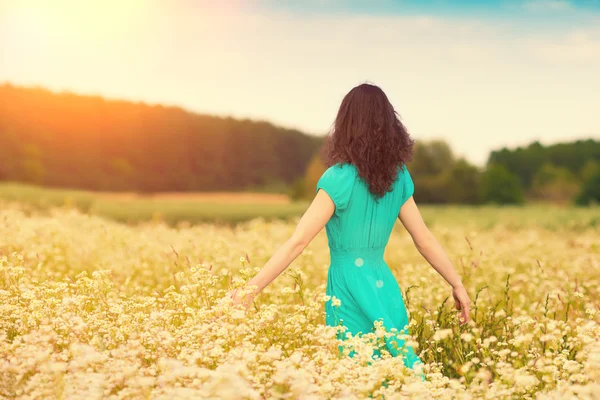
<point x="563" y="173"/>
<point x="88" y="142"/>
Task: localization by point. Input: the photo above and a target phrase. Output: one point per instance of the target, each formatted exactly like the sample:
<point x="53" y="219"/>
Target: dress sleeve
<point x="409" y="187"/>
<point x="337" y="181"/>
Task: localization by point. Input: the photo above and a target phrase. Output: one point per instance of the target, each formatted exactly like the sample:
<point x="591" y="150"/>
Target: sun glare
<point x="72" y="17"/>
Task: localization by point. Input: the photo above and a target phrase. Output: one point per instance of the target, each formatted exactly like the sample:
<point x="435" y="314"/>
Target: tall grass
<point x="91" y="308"/>
<point x="146" y="208"/>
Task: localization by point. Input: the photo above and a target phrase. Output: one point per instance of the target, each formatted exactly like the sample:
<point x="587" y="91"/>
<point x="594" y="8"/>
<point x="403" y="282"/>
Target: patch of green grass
<point x="174" y="211"/>
<point x="45" y="198"/>
<point x="146" y="209"/>
<point x="513" y="217"/>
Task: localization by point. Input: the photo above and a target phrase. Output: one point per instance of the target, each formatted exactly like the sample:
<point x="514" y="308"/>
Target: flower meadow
<point x="95" y="309"/>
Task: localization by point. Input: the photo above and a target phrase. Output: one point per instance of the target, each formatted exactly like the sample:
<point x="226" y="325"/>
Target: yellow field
<point x="92" y="309"/>
<point x="171" y="208"/>
<point x="202" y="197"/>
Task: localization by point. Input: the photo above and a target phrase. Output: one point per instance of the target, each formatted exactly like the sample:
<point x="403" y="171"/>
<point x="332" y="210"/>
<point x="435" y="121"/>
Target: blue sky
<point x="525" y="15"/>
<point x="535" y="9"/>
<point x="481" y="75"/>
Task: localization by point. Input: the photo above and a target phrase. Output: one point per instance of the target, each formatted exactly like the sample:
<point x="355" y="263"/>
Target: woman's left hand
<point x="237" y="298"/>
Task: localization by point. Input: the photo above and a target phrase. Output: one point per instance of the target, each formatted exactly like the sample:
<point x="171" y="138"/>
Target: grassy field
<point x="93" y="308"/>
<point x="171" y="208"/>
<point x="192" y="208"/>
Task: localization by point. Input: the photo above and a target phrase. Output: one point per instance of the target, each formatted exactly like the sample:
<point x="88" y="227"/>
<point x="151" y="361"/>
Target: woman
<point x="365" y="188"/>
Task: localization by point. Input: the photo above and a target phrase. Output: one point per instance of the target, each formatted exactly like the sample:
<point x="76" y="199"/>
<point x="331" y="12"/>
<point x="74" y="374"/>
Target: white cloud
<point x="547" y="5"/>
<point x="580" y="46"/>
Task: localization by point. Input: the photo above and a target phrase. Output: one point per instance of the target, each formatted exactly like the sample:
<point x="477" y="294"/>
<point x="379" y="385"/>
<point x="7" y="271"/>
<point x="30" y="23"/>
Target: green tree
<point x="431" y="158"/>
<point x="313" y="172"/>
<point x="9" y="147"/>
<point x="91" y="143"/>
<point x="431" y="189"/>
<point x="298" y="190"/>
<point x="463" y="183"/>
<point x="432" y="161"/>
<point x="526" y="161"/>
<point x="499" y="186"/>
<point x="122" y="173"/>
<point x="31" y="167"/>
<point x="555" y="184"/>
<point x="591" y="168"/>
<point x="590" y="191"/>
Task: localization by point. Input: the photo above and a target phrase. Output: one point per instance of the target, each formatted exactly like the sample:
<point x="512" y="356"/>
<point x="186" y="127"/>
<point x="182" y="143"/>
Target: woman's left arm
<point x="314" y="219"/>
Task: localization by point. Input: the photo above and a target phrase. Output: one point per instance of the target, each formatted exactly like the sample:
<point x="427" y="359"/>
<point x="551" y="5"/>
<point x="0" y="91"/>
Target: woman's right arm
<point x="435" y="255"/>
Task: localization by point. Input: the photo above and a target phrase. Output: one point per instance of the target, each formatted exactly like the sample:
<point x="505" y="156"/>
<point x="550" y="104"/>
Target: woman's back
<point x="360" y="220"/>
<point x="361" y="286"/>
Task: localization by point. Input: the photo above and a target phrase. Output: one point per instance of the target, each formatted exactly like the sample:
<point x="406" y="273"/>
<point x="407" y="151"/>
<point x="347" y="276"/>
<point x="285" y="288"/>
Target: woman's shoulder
<point x="402" y="176"/>
<point x="403" y="171"/>
<point x="340" y="176"/>
<point x="341" y="170"/>
<point x="338" y="181"/>
<point x="405" y="182"/>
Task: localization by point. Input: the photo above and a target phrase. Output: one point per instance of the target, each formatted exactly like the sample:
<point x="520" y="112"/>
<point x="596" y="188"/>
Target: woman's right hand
<point x="435" y="255"/>
<point x="462" y="303"/>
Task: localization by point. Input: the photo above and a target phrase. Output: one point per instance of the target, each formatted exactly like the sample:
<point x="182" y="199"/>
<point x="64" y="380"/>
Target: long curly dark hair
<point x="368" y="133"/>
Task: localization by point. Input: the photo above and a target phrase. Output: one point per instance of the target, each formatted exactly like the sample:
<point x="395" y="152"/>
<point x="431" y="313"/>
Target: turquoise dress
<point x="358" y="276"/>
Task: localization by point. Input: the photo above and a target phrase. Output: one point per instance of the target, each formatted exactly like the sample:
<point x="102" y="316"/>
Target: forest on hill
<point x="556" y="172"/>
<point x="88" y="142"/>
<point x="563" y="173"/>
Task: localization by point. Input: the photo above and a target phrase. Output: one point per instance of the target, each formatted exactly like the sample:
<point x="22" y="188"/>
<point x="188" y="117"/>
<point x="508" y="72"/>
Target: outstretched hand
<point x="238" y="298"/>
<point x="462" y="303"/>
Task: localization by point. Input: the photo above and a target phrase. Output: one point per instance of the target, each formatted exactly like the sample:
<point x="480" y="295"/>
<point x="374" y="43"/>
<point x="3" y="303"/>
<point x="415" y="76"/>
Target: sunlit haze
<point x="479" y="76"/>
